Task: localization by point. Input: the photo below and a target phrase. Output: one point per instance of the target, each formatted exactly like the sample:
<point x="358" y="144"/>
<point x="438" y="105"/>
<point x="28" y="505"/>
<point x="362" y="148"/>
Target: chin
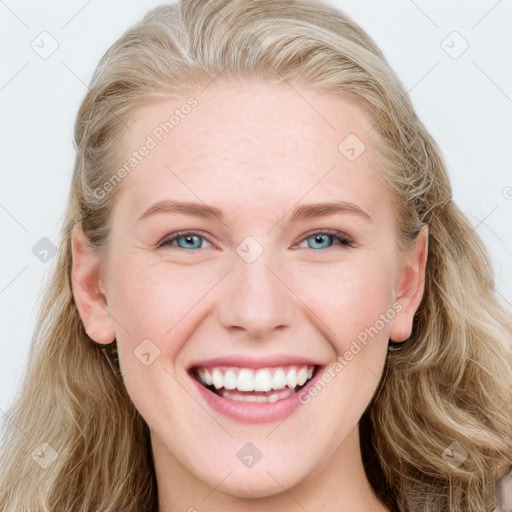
<point x="263" y="486"/>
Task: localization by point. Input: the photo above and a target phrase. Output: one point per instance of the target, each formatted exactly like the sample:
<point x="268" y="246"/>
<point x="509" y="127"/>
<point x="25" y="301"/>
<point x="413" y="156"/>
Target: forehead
<point x="247" y="145"/>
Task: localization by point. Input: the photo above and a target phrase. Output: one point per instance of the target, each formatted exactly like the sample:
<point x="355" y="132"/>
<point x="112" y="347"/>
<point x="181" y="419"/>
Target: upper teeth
<point x="248" y="379"/>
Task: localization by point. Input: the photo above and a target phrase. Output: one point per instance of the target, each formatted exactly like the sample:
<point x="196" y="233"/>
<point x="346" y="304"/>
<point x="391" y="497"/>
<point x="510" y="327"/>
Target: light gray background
<point x="465" y="102"/>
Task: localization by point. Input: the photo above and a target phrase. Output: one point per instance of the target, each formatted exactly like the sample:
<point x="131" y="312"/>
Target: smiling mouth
<point x="269" y="384"/>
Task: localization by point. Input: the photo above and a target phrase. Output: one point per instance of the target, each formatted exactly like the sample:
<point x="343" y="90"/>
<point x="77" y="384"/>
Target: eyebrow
<point x="301" y="212"/>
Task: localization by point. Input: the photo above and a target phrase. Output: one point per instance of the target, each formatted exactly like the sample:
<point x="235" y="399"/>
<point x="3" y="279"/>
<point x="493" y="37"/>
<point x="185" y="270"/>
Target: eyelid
<point x="343" y="237"/>
<point x="167" y="239"/>
<point x="349" y="242"/>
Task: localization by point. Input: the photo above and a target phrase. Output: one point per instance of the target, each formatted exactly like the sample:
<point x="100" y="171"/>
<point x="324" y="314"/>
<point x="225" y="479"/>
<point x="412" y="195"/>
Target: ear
<point x="88" y="290"/>
<point x="409" y="287"/>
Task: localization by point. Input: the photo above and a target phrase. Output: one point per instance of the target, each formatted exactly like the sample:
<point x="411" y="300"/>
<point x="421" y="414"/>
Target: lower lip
<point x="252" y="412"/>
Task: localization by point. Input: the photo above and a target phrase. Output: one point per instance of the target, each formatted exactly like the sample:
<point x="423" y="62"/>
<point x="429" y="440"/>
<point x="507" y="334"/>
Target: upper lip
<point x="242" y="361"/>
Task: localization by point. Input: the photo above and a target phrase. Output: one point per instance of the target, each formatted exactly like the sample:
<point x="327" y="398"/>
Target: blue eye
<point x="184" y="240"/>
<point x="325" y="239"/>
<point x="319" y="240"/>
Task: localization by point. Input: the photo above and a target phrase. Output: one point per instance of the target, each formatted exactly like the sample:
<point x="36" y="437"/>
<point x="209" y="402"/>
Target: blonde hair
<point x="449" y="383"/>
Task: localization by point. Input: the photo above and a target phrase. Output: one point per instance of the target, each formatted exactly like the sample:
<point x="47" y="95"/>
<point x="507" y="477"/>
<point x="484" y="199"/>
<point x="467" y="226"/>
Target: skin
<point x="255" y="151"/>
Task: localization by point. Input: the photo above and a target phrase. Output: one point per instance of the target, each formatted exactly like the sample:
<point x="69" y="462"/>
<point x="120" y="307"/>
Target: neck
<point x="339" y="484"/>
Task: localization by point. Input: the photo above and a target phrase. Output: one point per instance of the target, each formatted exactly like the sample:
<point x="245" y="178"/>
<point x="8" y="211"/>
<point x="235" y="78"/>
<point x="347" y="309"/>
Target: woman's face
<point x="262" y="291"/>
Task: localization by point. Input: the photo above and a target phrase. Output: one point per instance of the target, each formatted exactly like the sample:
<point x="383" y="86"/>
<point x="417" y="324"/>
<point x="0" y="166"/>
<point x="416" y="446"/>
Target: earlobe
<point x="88" y="289"/>
<point x="410" y="287"/>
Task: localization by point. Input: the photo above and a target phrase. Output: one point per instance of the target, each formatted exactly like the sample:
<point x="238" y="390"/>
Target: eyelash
<point x="341" y="237"/>
<point x="338" y="235"/>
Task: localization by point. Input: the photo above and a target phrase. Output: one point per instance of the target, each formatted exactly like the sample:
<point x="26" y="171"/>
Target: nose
<point x="257" y="300"/>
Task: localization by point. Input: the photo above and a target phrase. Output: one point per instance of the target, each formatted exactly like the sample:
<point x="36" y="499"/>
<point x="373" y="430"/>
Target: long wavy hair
<point x="446" y="390"/>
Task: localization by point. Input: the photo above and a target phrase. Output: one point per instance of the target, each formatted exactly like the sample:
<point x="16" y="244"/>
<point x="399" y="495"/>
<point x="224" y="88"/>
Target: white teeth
<point x="302" y="376"/>
<point x="279" y="379"/>
<point x="291" y="378"/>
<point x="262" y="380"/>
<point x="217" y="378"/>
<point x="230" y="379"/>
<point x="245" y="380"/>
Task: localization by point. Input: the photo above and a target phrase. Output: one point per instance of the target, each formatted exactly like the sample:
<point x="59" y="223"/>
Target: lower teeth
<point x="241" y="396"/>
<point x="251" y="396"/>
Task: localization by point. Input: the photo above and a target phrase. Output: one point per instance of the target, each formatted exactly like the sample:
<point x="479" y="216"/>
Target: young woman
<point x="265" y="297"/>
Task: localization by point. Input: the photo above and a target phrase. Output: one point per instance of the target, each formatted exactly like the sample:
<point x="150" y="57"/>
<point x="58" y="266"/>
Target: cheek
<point x="153" y="306"/>
<point x="350" y="300"/>
<point x="156" y="301"/>
<point x="355" y="308"/>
